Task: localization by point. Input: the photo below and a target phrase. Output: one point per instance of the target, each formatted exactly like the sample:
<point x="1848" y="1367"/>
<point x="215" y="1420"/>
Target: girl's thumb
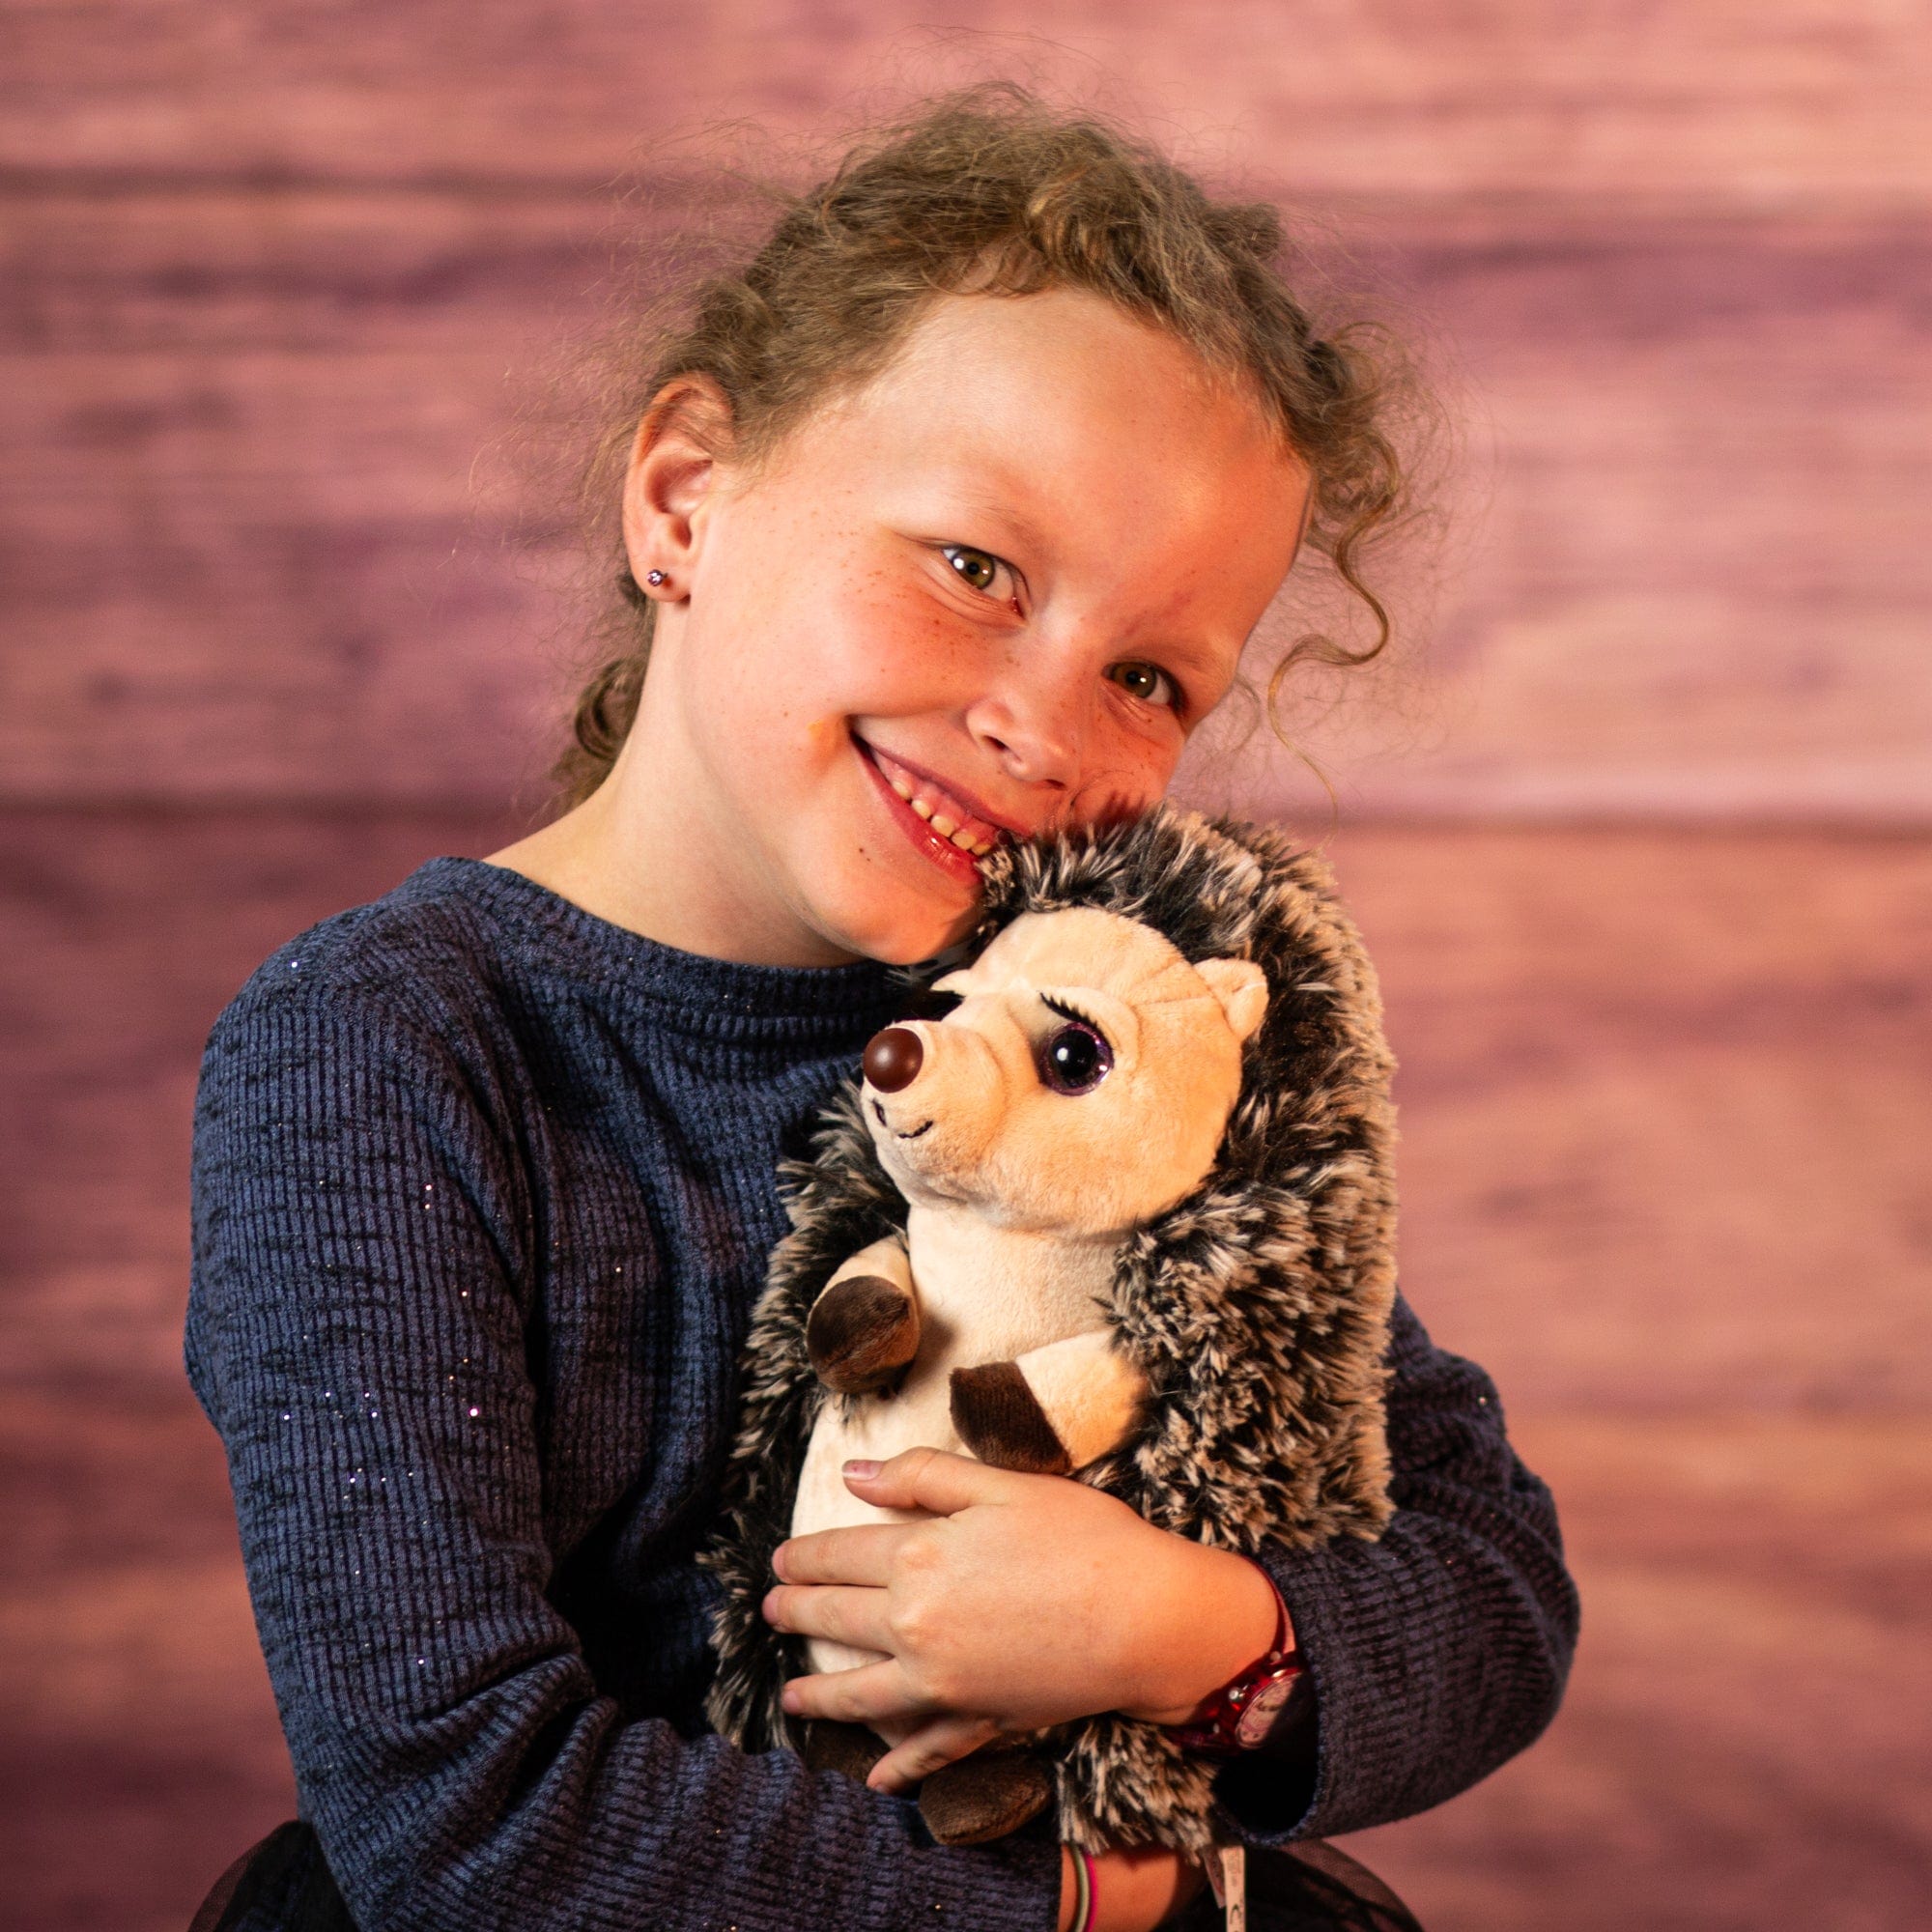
<point x="934" y="1480"/>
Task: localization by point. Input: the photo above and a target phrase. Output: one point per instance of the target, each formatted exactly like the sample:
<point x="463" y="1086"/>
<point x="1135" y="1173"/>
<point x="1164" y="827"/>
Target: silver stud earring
<point x="654" y="578"/>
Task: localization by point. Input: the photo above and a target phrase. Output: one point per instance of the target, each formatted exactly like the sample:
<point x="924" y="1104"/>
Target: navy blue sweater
<point x="484" y="1188"/>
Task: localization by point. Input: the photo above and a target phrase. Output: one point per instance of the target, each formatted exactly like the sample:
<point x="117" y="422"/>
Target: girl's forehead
<point x="1051" y="361"/>
<point x="1084" y="429"/>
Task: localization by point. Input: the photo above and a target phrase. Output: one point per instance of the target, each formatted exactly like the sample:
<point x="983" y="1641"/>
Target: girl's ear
<point x="680" y="441"/>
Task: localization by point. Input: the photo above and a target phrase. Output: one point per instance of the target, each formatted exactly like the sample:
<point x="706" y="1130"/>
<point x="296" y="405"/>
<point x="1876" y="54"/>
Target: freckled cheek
<point x="859" y="638"/>
<point x="1128" y="777"/>
<point x="894" y="650"/>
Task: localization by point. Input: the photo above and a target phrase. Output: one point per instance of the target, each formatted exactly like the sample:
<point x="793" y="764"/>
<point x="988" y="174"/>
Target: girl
<point x="944" y="520"/>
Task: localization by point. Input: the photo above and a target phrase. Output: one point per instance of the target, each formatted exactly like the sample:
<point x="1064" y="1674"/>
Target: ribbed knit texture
<point x="484" y="1188"/>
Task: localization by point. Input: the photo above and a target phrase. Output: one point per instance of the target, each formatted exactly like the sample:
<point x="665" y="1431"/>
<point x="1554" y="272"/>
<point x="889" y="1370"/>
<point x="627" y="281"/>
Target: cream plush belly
<point x="879" y="1427"/>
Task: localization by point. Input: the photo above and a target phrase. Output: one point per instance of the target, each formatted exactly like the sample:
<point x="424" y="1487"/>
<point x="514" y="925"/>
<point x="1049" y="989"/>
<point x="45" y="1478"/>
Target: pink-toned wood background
<point x="1644" y="846"/>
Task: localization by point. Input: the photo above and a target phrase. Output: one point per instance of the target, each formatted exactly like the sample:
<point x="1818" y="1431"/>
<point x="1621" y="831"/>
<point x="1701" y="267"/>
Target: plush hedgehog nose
<point x="893" y="1058"/>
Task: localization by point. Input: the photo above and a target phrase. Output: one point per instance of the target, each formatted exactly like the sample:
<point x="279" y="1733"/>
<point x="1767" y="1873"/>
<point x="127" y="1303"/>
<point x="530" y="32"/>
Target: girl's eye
<point x="1075" y="1058"/>
<point x="1149" y="683"/>
<point x="976" y="568"/>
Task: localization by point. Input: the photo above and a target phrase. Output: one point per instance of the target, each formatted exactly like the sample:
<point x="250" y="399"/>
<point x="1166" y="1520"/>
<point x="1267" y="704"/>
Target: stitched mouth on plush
<point x="879" y="1114"/>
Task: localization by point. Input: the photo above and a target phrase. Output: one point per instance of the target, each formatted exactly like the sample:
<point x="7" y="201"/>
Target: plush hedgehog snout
<point x="933" y="1097"/>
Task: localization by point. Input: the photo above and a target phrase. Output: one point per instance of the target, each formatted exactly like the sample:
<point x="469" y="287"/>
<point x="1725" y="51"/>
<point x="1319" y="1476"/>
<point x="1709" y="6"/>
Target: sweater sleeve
<point x="1437" y="1652"/>
<point x="358" y="1334"/>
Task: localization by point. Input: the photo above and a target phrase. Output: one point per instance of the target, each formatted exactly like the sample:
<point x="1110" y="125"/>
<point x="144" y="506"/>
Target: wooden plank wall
<point x="1641" y="842"/>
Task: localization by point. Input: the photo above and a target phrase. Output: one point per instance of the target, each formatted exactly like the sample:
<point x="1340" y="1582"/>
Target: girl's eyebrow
<point x="986" y="482"/>
<point x="1000" y="509"/>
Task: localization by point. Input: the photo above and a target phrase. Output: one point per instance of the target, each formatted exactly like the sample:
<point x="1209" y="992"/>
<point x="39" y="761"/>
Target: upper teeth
<point x="938" y="808"/>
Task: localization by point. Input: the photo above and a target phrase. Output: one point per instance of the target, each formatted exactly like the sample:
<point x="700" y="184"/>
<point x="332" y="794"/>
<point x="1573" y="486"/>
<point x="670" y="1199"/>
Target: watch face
<point x="1267" y="1704"/>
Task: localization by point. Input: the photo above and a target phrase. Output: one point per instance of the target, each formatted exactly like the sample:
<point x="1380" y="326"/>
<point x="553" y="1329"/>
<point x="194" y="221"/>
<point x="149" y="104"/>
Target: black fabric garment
<point x="483" y="1192"/>
<point x="1310" y="1887"/>
<point x="281" y="1881"/>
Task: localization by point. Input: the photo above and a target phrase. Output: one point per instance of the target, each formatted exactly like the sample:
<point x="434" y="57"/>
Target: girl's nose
<point x="1036" y="729"/>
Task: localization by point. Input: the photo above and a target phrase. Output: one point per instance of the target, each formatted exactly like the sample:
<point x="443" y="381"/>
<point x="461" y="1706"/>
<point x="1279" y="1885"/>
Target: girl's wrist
<point x="1246" y="1615"/>
<point x="1127" y="1890"/>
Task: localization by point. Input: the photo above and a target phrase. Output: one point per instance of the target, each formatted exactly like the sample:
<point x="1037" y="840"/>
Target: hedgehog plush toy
<point x="1124" y="1213"/>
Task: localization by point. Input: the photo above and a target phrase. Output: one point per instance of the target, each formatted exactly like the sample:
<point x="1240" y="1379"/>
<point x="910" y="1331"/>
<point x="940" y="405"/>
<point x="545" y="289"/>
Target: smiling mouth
<point x="880" y="1114"/>
<point x="944" y="817"/>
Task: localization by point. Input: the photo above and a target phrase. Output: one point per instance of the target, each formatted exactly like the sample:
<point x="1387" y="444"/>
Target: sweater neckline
<point x="635" y="966"/>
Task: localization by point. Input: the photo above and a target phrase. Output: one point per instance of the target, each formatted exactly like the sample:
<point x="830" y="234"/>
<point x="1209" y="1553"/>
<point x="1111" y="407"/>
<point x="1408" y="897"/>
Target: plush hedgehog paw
<point x="850" y="1749"/>
<point x="1000" y="1419"/>
<point x="985" y="1796"/>
<point x="861" y="1333"/>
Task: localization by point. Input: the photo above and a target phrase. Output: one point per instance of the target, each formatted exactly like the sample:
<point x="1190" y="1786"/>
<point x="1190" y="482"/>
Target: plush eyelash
<point x="1073" y="1013"/>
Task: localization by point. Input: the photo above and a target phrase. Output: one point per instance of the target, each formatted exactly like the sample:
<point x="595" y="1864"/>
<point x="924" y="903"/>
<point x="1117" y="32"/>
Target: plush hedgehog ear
<point x="1241" y="987"/>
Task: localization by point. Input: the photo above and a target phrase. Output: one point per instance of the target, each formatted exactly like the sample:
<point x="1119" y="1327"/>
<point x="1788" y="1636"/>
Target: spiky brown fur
<point x="1258" y="1307"/>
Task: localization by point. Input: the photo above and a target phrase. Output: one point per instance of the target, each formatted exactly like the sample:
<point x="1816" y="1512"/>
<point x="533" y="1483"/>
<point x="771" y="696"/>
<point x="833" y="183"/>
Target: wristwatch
<point x="1242" y="1715"/>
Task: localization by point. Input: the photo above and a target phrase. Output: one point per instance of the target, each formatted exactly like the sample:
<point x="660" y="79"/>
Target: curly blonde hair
<point x="990" y="189"/>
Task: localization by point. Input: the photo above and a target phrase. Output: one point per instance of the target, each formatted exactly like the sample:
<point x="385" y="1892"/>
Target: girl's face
<point x="993" y="590"/>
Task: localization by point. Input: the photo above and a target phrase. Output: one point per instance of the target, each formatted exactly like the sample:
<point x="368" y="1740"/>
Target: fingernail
<point x="862" y="1469"/>
<point x="788" y="1697"/>
<point x="777" y="1559"/>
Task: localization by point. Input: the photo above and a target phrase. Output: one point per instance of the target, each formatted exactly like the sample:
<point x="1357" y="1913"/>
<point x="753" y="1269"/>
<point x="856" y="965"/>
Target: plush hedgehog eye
<point x="1075" y="1058"/>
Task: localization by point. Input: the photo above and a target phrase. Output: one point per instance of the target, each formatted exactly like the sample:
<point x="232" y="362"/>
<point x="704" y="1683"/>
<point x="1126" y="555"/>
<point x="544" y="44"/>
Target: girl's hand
<point x="1023" y="1602"/>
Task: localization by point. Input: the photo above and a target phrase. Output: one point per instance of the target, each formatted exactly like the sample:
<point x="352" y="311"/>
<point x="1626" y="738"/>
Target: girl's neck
<point x="628" y="854"/>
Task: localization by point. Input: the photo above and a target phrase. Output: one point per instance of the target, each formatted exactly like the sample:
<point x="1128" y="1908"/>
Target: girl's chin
<point x="906" y="945"/>
<point x="903" y="934"/>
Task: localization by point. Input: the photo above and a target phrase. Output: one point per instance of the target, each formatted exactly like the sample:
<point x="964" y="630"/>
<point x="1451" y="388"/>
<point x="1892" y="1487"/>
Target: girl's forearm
<point x="1134" y="1890"/>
